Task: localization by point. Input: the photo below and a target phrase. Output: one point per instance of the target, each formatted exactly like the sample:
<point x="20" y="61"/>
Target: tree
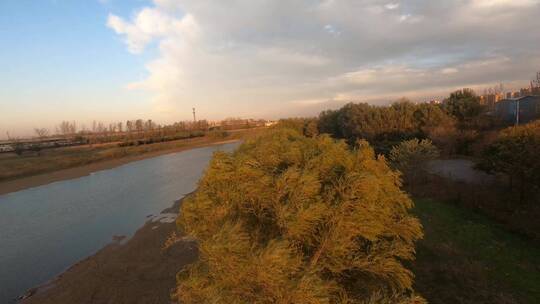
<point x="463" y="105"/>
<point x="306" y="126"/>
<point x="410" y="157"/>
<point x="310" y="128"/>
<point x="129" y="126"/>
<point x="67" y="128"/>
<point x="139" y="126"/>
<point x="16" y="144"/>
<point x="293" y="219"/>
<point x="328" y="123"/>
<point x="385" y="127"/>
<point x="515" y="153"/>
<point x="41" y="132"/>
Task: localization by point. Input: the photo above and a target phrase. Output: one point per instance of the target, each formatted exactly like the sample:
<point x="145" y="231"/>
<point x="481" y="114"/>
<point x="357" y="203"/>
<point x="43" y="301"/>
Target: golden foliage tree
<point x="292" y="219"/>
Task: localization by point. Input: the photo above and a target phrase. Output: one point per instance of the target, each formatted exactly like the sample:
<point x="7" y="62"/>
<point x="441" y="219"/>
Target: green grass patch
<point x="469" y="246"/>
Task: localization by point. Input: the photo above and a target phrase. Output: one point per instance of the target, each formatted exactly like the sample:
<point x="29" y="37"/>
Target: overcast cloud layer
<point x="268" y="57"/>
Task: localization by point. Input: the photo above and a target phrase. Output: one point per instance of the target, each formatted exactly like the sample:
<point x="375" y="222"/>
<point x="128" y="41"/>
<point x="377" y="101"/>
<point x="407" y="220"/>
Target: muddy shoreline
<point x="134" y="270"/>
<point x="75" y="172"/>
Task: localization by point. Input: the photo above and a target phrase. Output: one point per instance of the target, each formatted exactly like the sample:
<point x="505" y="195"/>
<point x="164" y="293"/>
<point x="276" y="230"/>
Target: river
<point x="44" y="230"/>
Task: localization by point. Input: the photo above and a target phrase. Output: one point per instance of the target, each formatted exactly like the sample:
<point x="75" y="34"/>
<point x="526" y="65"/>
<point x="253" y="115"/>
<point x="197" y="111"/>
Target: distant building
<point x="499" y="97"/>
<point x="528" y="107"/>
<point x="490" y="100"/>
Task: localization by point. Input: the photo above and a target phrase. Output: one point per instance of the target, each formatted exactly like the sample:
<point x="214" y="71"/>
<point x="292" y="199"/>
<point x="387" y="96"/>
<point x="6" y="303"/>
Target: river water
<point x="44" y="230"/>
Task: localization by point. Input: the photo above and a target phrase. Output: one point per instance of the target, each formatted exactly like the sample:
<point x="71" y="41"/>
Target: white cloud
<point x="391" y="6"/>
<point x="248" y="57"/>
<point x="408" y="18"/>
<point x="150" y="24"/>
<point x="449" y="70"/>
<point x="504" y="3"/>
<point x="332" y="30"/>
<point x="135" y="38"/>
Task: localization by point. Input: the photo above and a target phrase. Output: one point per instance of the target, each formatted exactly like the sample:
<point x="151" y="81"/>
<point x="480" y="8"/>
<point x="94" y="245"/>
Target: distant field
<point x="13" y="166"/>
<point x="466" y="258"/>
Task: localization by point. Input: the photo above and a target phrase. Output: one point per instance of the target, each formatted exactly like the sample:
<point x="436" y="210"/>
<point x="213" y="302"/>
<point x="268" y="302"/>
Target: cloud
<point x="253" y="57"/>
<point x="150" y="24"/>
<point x="391" y="6"/>
<point x="449" y="70"/>
<point x="504" y="3"/>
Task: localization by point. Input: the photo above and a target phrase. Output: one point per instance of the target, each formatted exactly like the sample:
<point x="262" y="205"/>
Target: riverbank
<point x="54" y="175"/>
<point x="132" y="271"/>
<point x="31" y="170"/>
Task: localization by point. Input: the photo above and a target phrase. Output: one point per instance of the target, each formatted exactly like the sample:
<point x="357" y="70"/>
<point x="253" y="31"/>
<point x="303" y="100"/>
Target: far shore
<point x="83" y="170"/>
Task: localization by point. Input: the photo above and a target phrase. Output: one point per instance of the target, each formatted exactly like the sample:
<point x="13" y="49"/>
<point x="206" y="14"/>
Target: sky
<point x="112" y="60"/>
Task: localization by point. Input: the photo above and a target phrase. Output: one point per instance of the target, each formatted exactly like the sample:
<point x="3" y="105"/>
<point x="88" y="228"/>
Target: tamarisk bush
<point x="294" y="219"/>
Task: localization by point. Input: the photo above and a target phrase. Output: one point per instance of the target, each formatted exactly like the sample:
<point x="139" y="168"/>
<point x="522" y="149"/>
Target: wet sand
<point x="132" y="271"/>
<point x="63" y="174"/>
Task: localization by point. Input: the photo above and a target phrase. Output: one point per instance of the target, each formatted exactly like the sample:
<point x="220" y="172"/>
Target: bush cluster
<point x="295" y="219"/>
<point x="385" y="127"/>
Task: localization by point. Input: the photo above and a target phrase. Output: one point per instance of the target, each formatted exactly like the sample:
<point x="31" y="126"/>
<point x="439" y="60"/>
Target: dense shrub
<point x="516" y="153"/>
<point x="411" y="156"/>
<point x="463" y="105"/>
<point x="385" y="127"/>
<point x="294" y="219"/>
<point x="306" y="126"/>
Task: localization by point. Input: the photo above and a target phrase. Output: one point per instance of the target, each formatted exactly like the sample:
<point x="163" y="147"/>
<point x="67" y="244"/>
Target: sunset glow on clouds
<point x="120" y="59"/>
<point x="258" y="56"/>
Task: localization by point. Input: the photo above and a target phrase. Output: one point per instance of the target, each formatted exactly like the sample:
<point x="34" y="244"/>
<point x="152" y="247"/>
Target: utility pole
<point x="194" y="119"/>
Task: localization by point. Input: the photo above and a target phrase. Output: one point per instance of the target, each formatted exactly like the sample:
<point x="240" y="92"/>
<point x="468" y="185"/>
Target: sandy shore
<point x="63" y="174"/>
<point x="138" y="271"/>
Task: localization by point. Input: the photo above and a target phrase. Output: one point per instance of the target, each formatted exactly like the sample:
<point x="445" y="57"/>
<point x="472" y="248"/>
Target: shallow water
<point x="44" y="230"/>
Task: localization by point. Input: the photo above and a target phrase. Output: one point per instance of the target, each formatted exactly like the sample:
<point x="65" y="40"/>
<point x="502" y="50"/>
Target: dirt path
<point x="461" y="170"/>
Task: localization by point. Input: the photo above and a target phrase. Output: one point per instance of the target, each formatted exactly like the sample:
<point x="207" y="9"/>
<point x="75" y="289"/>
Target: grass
<point x="467" y="258"/>
<point x="13" y="166"/>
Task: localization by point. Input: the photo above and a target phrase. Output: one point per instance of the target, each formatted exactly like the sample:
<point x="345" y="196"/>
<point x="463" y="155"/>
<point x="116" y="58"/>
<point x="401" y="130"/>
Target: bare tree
<point x="112" y="127"/>
<point x="41" y="132"/>
<point x="18" y="147"/>
<point x="67" y="128"/>
<point x="73" y="127"/>
<point x="129" y="125"/>
<point x="139" y="126"/>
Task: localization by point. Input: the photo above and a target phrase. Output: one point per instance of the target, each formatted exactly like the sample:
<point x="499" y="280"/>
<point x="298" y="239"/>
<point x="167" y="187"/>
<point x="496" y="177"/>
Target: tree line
<point x="312" y="211"/>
